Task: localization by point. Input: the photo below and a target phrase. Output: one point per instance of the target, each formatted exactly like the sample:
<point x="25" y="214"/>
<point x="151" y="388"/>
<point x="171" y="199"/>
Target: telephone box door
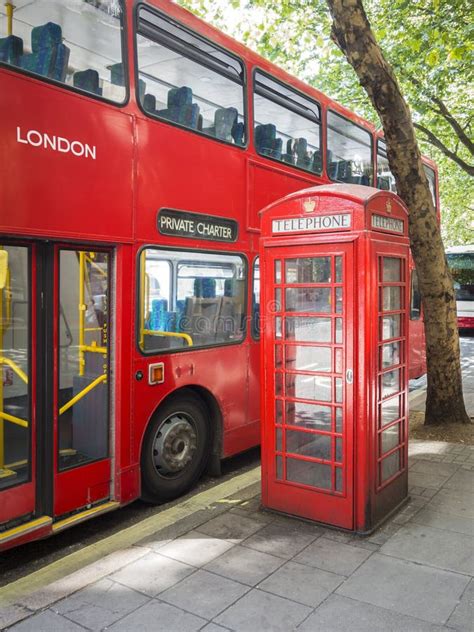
<point x="308" y="340"/>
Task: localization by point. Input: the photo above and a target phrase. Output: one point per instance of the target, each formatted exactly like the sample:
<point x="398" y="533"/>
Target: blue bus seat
<point x="149" y="103"/>
<point x="117" y="76"/>
<point x="303" y="158"/>
<point x="87" y="80"/>
<point x="224" y="120"/>
<point x="181" y="108"/>
<point x="205" y="287"/>
<point x="317" y="162"/>
<point x="11" y="49"/>
<point x="238" y="131"/>
<point x="290" y="156"/>
<point x="49" y="56"/>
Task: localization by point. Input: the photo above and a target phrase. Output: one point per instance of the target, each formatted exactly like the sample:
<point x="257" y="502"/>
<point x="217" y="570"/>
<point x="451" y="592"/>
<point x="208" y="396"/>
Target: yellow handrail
<point x="187" y="337"/>
<point x="80" y="395"/>
<point x="21" y="374"/>
<point x="82" y="310"/>
<point x="14" y="420"/>
<point x="93" y="349"/>
<point x="10" y="8"/>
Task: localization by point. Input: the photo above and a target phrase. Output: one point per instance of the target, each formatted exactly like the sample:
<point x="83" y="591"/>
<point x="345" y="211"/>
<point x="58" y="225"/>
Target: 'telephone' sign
<point x="311" y="224"/>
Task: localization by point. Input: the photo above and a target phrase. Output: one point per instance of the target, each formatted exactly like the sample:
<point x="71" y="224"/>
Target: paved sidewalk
<point x="234" y="566"/>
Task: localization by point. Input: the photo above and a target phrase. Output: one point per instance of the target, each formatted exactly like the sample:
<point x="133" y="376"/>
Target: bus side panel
<point x="66" y="163"/>
<point x="182" y="170"/>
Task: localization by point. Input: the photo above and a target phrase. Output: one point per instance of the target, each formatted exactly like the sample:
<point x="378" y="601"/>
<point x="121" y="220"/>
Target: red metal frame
<point x="112" y="202"/>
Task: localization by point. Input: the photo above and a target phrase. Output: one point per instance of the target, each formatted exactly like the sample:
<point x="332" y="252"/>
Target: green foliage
<point x="430" y="45"/>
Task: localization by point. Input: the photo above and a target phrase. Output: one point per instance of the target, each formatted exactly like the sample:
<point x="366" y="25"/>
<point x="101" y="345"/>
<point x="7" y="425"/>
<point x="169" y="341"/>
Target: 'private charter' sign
<point x="196" y="226"/>
<point x="311" y="224"/>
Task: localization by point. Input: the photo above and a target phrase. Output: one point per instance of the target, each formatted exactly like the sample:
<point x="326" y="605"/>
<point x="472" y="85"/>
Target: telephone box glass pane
<point x="338" y="330"/>
<point x="338" y="361"/>
<point x="308" y="270"/>
<point x="390" y="466"/>
<point x="277" y="271"/>
<point x="391" y="298"/>
<point x="278" y="327"/>
<point x="309" y="387"/>
<point x="308" y="473"/>
<point x="278" y="383"/>
<point x="391" y="269"/>
<point x="390" y="354"/>
<point x="339" y="450"/>
<point x="277" y="305"/>
<point x="278" y="440"/>
<point x="338" y="390"/>
<point x="278" y="356"/>
<point x="308" y="299"/>
<point x="390" y="410"/>
<point x="308" y="329"/>
<point x="390" y="383"/>
<point x="278" y="411"/>
<point x="311" y="416"/>
<point x="338" y="419"/>
<point x="299" y="357"/>
<point x="279" y="467"/>
<point x="390" y="438"/>
<point x="338" y="269"/>
<point x="390" y="327"/>
<point x="308" y="444"/>
<point x="338" y="301"/>
<point x="338" y="479"/>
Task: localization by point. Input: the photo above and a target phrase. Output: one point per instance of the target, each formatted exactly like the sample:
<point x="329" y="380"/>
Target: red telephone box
<point x="334" y="304"/>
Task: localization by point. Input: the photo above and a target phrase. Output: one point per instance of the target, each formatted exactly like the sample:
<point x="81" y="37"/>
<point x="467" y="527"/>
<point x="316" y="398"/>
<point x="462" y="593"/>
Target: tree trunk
<point x="351" y="31"/>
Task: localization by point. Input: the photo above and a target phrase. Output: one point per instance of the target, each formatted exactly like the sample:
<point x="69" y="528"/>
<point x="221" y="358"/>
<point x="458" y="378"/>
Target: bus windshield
<point x="462" y="270"/>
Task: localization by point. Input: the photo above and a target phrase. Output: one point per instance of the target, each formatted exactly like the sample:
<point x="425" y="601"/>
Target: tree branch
<point x="434" y="140"/>
<point x="443" y="111"/>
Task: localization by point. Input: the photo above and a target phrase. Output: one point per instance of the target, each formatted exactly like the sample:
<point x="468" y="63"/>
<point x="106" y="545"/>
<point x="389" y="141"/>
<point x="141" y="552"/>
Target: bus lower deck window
<point x="190" y="299"/>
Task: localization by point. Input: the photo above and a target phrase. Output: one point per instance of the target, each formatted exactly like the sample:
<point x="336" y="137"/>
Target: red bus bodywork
<point x="108" y="202"/>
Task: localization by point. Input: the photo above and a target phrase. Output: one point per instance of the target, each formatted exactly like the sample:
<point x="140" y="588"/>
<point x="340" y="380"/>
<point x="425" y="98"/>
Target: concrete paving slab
<point x="213" y="627"/>
<point x="435" y="547"/>
<point x="156" y="616"/>
<point x="339" y="614"/>
<point x="463" y="615"/>
<point x="281" y="540"/>
<point x="421" y="479"/>
<point x="335" y="557"/>
<point x="446" y="521"/>
<point x="204" y="594"/>
<point x="461" y="480"/>
<point x="405" y="587"/>
<point x="453" y="503"/>
<point x="422" y="466"/>
<point x="195" y="548"/>
<point x="260" y="611"/>
<point x="152" y="574"/>
<point x="227" y="527"/>
<point x="12" y="614"/>
<point x="47" y="621"/>
<point x="304" y="584"/>
<point x="100" y="604"/>
<point x="245" y="565"/>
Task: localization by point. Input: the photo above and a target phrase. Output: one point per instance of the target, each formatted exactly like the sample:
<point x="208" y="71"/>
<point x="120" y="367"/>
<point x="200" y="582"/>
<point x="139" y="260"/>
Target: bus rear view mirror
<point x="3" y="268"/>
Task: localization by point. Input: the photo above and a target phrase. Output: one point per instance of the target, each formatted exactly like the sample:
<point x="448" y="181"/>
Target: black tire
<point x="175" y="449"/>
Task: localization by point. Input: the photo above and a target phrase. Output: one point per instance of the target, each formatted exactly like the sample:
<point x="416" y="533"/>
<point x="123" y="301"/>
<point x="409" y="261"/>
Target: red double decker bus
<point x="138" y="146"/>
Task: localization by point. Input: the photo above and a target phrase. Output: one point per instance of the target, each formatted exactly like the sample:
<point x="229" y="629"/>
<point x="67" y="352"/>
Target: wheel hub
<point x="174" y="445"/>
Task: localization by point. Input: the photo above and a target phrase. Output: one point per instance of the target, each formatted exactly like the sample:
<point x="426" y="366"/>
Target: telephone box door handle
<point x="349" y="376"/>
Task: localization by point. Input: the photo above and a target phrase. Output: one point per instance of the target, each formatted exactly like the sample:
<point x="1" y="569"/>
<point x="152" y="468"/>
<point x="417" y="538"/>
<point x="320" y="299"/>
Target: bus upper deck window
<point x="77" y="43"/>
<point x="430" y="174"/>
<point x="385" y="178"/>
<point x="415" y="297"/>
<point x="349" y="151"/>
<point x="189" y="81"/>
<point x="287" y="124"/>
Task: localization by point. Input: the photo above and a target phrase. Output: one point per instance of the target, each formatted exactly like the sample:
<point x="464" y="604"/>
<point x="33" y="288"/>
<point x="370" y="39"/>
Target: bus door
<point x="309" y="381"/>
<point x="55" y="429"/>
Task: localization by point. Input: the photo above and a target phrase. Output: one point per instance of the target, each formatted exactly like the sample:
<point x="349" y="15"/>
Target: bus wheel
<point x="175" y="448"/>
